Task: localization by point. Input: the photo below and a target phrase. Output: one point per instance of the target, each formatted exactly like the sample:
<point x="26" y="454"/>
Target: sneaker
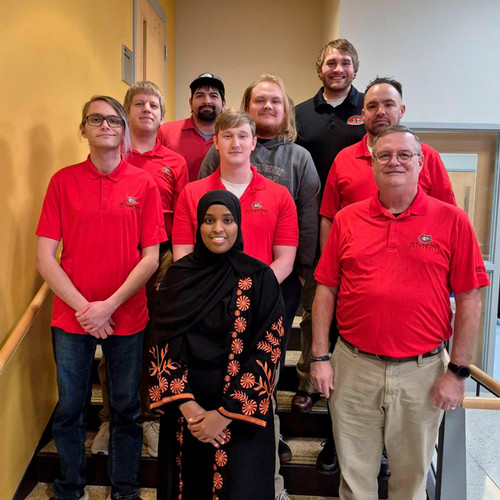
<point x="150" y="437"/>
<point x="281" y="495"/>
<point x="100" y="444"/>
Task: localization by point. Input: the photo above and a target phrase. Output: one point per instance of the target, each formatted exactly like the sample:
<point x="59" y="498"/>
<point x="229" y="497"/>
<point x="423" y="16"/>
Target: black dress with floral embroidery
<point x="226" y="362"/>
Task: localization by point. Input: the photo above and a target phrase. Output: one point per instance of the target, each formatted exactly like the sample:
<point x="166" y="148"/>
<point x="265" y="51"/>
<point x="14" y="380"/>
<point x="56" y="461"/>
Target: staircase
<point x="303" y="433"/>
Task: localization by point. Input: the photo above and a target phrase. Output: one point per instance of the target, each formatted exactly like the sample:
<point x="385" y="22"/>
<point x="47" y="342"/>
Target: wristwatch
<point x="461" y="371"/>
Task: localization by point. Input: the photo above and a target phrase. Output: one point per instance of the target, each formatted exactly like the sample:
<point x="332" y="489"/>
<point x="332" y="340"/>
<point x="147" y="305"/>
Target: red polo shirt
<point x="395" y="275"/>
<point x="183" y="137"/>
<point x="268" y="215"/>
<point x="351" y="179"/>
<point x="169" y="172"/>
<point x="104" y="220"/>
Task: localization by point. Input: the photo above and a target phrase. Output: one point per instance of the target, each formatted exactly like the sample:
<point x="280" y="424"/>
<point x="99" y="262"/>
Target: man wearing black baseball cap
<point x="192" y="137"/>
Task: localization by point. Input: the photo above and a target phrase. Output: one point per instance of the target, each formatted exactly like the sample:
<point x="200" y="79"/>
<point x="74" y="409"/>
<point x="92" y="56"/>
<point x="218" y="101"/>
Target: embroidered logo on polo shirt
<point x="130" y="203"/>
<point x="355" y="120"/>
<point x="256" y="208"/>
<point x="424" y="243"/>
<point x="165" y="173"/>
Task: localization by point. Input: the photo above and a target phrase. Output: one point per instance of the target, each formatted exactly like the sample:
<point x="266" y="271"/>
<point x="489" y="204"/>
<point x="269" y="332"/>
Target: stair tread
<point x="284" y="400"/>
<point x="44" y="491"/>
<point x="304" y="450"/>
<point x="50" y="447"/>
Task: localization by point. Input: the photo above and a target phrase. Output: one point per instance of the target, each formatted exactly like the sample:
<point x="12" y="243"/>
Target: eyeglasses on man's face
<point x="403" y="157"/>
<point x="96" y="120"/>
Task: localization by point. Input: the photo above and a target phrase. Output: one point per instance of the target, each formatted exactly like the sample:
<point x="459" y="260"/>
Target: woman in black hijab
<point x="216" y="338"/>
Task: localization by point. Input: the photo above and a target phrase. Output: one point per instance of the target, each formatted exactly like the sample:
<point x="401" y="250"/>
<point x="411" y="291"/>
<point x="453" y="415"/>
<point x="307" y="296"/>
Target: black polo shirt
<point x="324" y="130"/>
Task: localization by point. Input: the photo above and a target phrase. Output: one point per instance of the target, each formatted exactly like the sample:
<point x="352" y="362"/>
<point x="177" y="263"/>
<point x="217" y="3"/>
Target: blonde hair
<point x="289" y="129"/>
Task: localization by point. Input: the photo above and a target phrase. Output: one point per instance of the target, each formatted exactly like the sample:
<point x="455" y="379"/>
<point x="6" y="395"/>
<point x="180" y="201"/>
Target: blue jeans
<point x="74" y="354"/>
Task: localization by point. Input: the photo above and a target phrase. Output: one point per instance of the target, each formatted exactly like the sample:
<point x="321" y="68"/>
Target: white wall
<point x="446" y="53"/>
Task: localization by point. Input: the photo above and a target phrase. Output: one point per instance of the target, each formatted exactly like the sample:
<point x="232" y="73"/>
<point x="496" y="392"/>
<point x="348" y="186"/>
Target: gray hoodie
<point x="291" y="166"/>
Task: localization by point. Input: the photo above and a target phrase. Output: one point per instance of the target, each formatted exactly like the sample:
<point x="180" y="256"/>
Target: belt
<point x="435" y="351"/>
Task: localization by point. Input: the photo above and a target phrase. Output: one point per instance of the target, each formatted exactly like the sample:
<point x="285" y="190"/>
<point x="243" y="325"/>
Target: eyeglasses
<point x="402" y="156"/>
<point x="95" y="120"/>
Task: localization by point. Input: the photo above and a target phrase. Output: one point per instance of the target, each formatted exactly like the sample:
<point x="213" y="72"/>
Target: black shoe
<point x="385" y="472"/>
<point x="327" y="461"/>
<point x="284" y="452"/>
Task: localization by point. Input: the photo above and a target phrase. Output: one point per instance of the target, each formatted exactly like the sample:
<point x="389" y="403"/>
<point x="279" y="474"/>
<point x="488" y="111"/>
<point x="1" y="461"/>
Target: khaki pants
<point x="377" y="403"/>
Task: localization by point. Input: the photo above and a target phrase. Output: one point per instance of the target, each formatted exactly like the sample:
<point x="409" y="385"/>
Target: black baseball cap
<point x="208" y="80"/>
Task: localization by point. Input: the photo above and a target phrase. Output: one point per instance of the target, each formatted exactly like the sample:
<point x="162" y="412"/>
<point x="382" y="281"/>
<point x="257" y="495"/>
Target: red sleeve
<point x="181" y="181"/>
<point x="184" y="227"/>
<point x="330" y="204"/>
<point x="467" y="270"/>
<point x="162" y="136"/>
<point x="153" y="224"/>
<point x="440" y="185"/>
<point x="328" y="268"/>
<point x="50" y="223"/>
<point x="287" y="226"/>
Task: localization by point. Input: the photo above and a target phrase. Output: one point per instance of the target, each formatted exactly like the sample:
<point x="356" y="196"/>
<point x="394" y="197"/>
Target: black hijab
<point x="196" y="283"/>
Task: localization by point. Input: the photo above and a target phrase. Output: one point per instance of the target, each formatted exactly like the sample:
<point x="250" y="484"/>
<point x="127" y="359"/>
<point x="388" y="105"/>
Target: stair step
<point x="42" y="491"/>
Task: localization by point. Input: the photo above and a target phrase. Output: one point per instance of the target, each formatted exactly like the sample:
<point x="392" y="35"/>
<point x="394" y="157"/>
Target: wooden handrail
<point x="488" y="382"/>
<point x="477" y="403"/>
<point x="20" y="330"/>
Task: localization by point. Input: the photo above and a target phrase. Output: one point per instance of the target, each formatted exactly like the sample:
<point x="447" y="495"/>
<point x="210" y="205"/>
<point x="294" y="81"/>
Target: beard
<point x="206" y="115"/>
<point x="269" y="131"/>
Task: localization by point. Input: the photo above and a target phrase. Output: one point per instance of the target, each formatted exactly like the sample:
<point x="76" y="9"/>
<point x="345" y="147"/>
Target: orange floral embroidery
<point x="264" y="406"/>
<point x="247" y="380"/>
<point x="237" y="346"/>
<point x="245" y="283"/>
<point x="249" y="407"/>
<point x="217" y="481"/>
<point x="240" y="324"/>
<point x="243" y="303"/>
<point x="177" y="386"/>
<point x="220" y="458"/>
<point x="233" y="368"/>
<point x="155" y="393"/>
<point x="227" y="434"/>
<point x="275" y="355"/>
<point x="163" y="383"/>
<point x="226" y="387"/>
<point x="234" y="335"/>
<point x="237" y="313"/>
<point x="179" y="436"/>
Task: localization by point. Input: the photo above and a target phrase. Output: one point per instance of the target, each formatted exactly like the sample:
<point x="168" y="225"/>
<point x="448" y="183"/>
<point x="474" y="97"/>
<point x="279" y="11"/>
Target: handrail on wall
<point x="23" y="325"/>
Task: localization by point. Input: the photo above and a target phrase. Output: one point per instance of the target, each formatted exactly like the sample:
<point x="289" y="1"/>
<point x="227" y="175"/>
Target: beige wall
<point x="239" y="41"/>
<point x="55" y="55"/>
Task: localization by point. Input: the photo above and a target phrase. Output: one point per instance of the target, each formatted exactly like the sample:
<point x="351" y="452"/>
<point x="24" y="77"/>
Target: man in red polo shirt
<point x="107" y="213"/>
<point x="350" y="178"/>
<point x="145" y="109"/>
<point x="269" y="217"/>
<point x="193" y="136"/>
<point x="389" y="266"/>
